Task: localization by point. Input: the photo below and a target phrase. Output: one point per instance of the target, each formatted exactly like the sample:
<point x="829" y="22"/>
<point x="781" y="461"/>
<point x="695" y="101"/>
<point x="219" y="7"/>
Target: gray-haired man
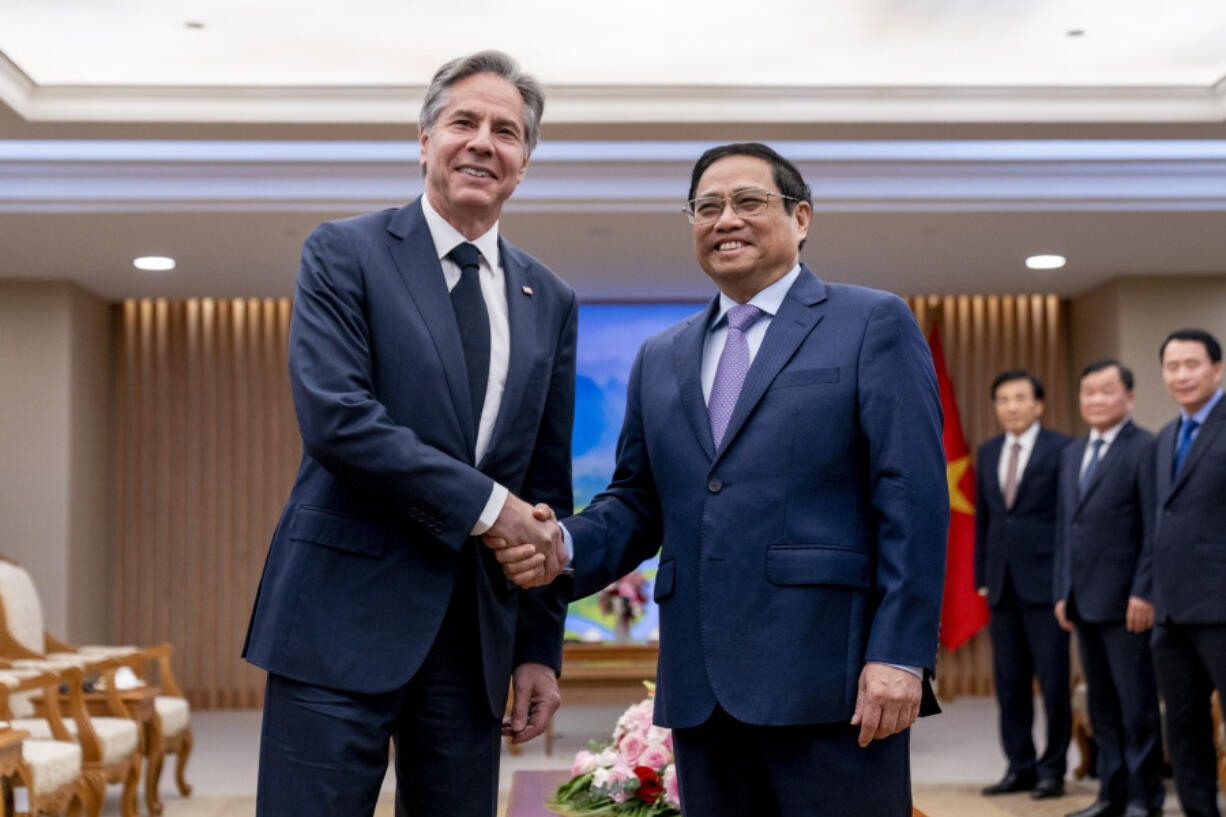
<point x="433" y="369"/>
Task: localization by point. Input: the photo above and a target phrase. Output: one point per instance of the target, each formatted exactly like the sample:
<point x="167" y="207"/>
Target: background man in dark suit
<point x="1189" y="642"/>
<point x="1103" y="585"/>
<point x="433" y="369"/>
<point x="785" y="446"/>
<point x="1015" y="521"/>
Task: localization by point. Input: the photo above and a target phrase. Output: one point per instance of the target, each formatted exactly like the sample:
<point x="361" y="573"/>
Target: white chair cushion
<point x="53" y="763"/>
<point x="118" y="736"/>
<point x="21" y="704"/>
<point x="174" y="712"/>
<point x="23" y="613"/>
<point x="107" y="650"/>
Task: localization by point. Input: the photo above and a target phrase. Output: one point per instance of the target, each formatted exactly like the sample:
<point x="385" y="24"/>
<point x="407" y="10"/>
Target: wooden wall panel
<point x="207" y="446"/>
<point x="206" y="450"/>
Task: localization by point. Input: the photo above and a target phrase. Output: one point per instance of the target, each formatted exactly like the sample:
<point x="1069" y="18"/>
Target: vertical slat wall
<point x="206" y="449"/>
<point x="984" y="335"/>
<point x="207" y="446"/>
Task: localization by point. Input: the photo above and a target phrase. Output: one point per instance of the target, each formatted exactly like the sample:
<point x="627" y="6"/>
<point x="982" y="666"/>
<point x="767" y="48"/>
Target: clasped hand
<point x="527" y="542"/>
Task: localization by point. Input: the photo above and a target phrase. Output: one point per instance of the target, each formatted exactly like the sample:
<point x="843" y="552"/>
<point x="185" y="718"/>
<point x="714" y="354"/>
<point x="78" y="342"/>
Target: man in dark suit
<point x="433" y="369"/>
<point x="784" y="445"/>
<point x="1189" y="643"/>
<point x="1103" y="585"/>
<point x="1015" y="531"/>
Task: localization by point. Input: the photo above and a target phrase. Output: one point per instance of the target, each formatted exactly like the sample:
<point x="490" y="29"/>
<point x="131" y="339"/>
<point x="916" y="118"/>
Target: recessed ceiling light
<point x="154" y="263"/>
<point x="1045" y="261"/>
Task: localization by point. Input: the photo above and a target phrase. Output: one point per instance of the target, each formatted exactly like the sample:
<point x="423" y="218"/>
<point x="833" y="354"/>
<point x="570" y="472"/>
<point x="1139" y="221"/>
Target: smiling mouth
<point x="476" y="172"/>
<point x="730" y="245"/>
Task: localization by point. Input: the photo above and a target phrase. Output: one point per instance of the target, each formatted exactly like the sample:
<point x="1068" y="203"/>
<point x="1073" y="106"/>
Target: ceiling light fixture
<point x="154" y="263"/>
<point x="1045" y="261"/>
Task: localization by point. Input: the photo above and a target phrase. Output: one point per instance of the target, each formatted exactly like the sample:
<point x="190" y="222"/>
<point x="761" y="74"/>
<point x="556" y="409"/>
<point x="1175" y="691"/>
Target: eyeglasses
<point x="747" y="203"/>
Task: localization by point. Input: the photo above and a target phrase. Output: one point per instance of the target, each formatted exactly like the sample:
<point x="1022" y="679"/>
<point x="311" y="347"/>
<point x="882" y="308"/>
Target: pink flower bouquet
<point x="634" y="776"/>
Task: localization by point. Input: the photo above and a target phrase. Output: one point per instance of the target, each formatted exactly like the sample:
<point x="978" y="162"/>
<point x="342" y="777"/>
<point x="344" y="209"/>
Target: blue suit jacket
<point x="812" y="540"/>
<point x="1190" y="526"/>
<point x="1018" y="541"/>
<point x="1103" y="550"/>
<point x="363" y="561"/>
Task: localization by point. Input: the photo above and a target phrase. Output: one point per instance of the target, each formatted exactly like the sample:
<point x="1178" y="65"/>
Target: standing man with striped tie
<point x="1189" y="643"/>
<point x="1103" y="585"/>
<point x="1015" y="531"/>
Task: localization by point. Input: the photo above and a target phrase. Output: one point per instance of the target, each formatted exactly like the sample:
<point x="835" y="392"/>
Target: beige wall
<point x="1128" y="319"/>
<point x="54" y="433"/>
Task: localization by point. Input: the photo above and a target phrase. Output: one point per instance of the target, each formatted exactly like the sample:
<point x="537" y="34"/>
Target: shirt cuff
<point x="916" y="671"/>
<point x="569" y="543"/>
<point x="493" y="507"/>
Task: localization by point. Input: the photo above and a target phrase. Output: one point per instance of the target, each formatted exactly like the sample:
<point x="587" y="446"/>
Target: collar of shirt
<point x="1026" y="438"/>
<point x="1204" y="412"/>
<point x="446" y="238"/>
<point x="1110" y="434"/>
<point x="768" y="299"/>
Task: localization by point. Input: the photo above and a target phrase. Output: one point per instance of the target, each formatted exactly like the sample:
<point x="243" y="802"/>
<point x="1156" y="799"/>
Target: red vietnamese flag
<point x="963" y="610"/>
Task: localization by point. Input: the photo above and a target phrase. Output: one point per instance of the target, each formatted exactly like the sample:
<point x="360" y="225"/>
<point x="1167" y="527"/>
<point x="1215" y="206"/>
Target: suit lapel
<point x="799" y="313"/>
<point x="413" y="252"/>
<point x="1105" y="464"/>
<point x="1036" y="457"/>
<point x="1072" y="478"/>
<point x="687" y="362"/>
<point x="1165" y="456"/>
<point x="1204" y="440"/>
<point x="524" y="337"/>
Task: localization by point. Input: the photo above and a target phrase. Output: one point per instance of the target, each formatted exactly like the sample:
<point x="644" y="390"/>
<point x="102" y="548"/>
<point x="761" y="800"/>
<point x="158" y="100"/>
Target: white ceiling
<point x="944" y="139"/>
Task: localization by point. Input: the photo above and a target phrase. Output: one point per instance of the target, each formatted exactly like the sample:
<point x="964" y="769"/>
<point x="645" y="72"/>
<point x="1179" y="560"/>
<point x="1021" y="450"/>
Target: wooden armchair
<point x="49" y="769"/>
<point x="22" y="637"/>
<point x="110" y="744"/>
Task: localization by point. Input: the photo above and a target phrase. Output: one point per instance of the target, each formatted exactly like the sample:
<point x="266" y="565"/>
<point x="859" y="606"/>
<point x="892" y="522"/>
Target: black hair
<point x="1198" y="335"/>
<point x="1107" y="363"/>
<point x="1018" y="374"/>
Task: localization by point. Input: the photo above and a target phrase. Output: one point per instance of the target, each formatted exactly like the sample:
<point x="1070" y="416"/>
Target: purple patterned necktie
<point x="732" y="368"/>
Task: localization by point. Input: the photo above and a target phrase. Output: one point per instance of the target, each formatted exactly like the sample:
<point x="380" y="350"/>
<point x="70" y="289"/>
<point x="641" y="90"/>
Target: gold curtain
<point x="207" y="446"/>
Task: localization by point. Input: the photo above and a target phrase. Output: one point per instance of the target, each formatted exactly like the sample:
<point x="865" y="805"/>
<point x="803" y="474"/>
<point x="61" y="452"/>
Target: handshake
<point x="527" y="542"/>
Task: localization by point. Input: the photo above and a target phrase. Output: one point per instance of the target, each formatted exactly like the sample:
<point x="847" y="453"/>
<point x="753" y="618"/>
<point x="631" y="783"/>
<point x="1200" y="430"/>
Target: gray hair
<point x="485" y="62"/>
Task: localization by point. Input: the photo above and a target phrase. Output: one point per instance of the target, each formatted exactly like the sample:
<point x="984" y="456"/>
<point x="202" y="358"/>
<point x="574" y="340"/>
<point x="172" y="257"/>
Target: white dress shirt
<point x="494" y="288"/>
<point x="1107" y="437"/>
<point x="768" y="300"/>
<point x="1027" y="440"/>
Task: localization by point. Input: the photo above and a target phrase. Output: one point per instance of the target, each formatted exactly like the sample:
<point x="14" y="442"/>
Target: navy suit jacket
<point x="812" y="540"/>
<point x="363" y="561"/>
<point x="1103" y="549"/>
<point x="1018" y="541"/>
<point x="1190" y="525"/>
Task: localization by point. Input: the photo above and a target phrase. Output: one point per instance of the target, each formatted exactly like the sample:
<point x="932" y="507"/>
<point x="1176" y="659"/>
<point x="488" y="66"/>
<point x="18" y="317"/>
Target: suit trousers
<point x="1123" y="703"/>
<point x="726" y="768"/>
<point x="1190" y="660"/>
<point x="325" y="751"/>
<point x="1027" y="641"/>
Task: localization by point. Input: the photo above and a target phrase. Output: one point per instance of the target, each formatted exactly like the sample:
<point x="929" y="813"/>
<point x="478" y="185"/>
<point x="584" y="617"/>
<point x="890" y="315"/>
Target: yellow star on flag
<point x="954" y="471"/>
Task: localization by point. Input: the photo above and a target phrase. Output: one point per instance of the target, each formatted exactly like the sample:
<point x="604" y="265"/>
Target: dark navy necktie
<point x="1185" y="442"/>
<point x="474" y="321"/>
<point x="1091" y="465"/>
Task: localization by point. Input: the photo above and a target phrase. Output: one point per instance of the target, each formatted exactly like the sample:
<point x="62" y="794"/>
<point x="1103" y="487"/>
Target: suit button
<point x="714" y="485"/>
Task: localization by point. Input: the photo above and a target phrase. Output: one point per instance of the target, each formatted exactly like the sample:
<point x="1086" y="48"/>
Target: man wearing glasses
<point x="784" y="446"/>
